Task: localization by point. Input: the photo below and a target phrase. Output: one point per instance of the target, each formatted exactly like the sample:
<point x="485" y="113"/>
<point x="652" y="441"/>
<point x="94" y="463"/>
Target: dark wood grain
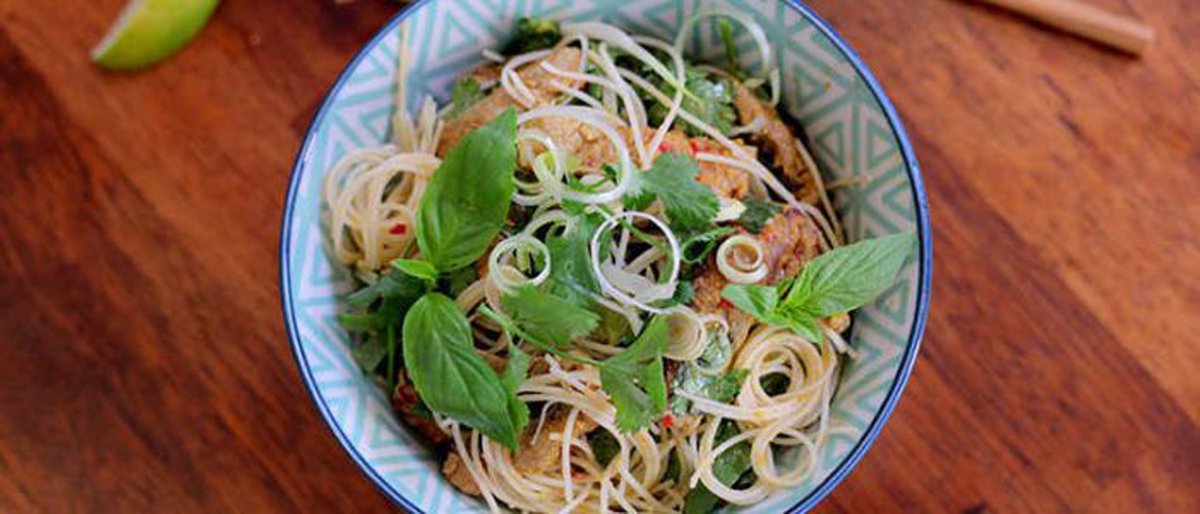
<point x="145" y="366"/>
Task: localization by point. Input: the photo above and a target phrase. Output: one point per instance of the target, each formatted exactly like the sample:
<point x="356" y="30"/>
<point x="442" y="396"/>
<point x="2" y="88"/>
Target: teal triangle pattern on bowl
<point x="850" y="125"/>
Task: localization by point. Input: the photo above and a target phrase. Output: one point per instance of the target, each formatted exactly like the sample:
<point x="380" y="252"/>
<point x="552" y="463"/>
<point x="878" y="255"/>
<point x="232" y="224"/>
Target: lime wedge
<point x="149" y="31"/>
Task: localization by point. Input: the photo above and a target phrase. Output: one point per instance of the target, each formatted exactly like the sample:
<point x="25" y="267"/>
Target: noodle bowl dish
<point x="656" y="256"/>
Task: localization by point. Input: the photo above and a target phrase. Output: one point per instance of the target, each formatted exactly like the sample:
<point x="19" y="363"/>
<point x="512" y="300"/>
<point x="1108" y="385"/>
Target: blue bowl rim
<point x="925" y="258"/>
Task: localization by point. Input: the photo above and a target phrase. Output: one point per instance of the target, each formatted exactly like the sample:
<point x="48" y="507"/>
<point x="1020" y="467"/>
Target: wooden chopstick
<point x="1085" y="20"/>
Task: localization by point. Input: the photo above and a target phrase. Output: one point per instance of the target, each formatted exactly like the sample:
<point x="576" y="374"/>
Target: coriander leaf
<point x="634" y="378"/>
<point x="613" y="329"/>
<point x="548" y="317"/>
<point x="416" y="269"/>
<point x="515" y="371"/>
<point x="711" y="101"/>
<point x="533" y="34"/>
<point x="571" y="273"/>
<point x="685" y="292"/>
<point x="466" y="202"/>
<point x="846" y="278"/>
<point x="728" y="467"/>
<point x="604" y="446"/>
<point x="695" y="248"/>
<point x="690" y="205"/>
<point x="449" y="376"/>
<point x="757" y="214"/>
<point x="467" y="92"/>
<point x="726" y="387"/>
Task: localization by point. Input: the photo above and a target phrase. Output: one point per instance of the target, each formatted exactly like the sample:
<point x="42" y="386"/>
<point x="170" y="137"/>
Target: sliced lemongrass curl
<point x="619" y="39"/>
<point x="610" y="283"/>
<point x="549" y="180"/>
<point x="511" y="81"/>
<point x="676" y="100"/>
<point x="688" y="334"/>
<point x="521" y="247"/>
<point x="742" y="259"/>
<point x="634" y="109"/>
<point x="596" y="119"/>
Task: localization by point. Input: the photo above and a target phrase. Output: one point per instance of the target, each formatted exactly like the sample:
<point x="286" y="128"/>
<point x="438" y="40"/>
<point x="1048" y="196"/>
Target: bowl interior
<point x="851" y="130"/>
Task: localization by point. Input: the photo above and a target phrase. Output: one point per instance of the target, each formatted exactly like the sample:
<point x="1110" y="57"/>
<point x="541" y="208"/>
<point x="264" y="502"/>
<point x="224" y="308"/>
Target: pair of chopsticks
<point x="1084" y="20"/>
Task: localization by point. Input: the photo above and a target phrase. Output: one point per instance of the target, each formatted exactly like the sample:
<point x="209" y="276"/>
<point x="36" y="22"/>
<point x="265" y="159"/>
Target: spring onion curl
<point x="634" y="109"/>
<point x="742" y="259"/>
<point x="614" y="276"/>
<point x="511" y="81"/>
<point x="596" y="119"/>
<point x="676" y="100"/>
<point x="549" y="179"/>
<point x="522" y="249"/>
<point x="634" y="106"/>
<point x="689" y="334"/>
<point x="619" y="39"/>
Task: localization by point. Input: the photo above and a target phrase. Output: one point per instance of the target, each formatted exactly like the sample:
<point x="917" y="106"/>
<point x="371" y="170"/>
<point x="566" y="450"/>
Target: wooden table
<point x="145" y="367"/>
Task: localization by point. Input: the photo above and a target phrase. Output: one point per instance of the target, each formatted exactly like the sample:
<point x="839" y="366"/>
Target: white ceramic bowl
<point x="852" y="129"/>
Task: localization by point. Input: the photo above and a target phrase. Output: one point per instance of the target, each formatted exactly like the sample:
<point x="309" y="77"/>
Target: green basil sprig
<point x="451" y="378"/>
<point x="467" y="200"/>
<point x="838" y="281"/>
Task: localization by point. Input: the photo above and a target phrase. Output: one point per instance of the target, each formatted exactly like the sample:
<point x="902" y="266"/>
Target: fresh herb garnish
<point x="634" y="378"/>
<point x="547" y="317"/>
<point x="696" y="247"/>
<point x="417" y="269"/>
<point x="731" y="51"/>
<point x="685" y="292"/>
<point x="838" y="281"/>
<point x="721" y="388"/>
<point x="571" y="275"/>
<point x="451" y="378"/>
<point x="467" y="92"/>
<point x="728" y="467"/>
<point x="533" y="34"/>
<point x="690" y="205"/>
<point x="710" y="100"/>
<point x="466" y="202"/>
<point x="515" y="371"/>
<point x="757" y="214"/>
<point x="391" y="285"/>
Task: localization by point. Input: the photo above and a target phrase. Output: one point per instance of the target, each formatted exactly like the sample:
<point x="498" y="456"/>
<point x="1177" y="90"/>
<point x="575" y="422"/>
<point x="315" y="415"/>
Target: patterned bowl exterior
<point x="853" y="132"/>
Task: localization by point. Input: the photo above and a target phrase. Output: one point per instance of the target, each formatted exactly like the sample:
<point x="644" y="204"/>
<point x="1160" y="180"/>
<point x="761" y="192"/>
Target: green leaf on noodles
<point x="634" y="378"/>
<point x="548" y="317"/>
<point x="836" y="282"/>
<point x="451" y="378"/>
<point x="466" y="202"/>
<point x="690" y="205"/>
